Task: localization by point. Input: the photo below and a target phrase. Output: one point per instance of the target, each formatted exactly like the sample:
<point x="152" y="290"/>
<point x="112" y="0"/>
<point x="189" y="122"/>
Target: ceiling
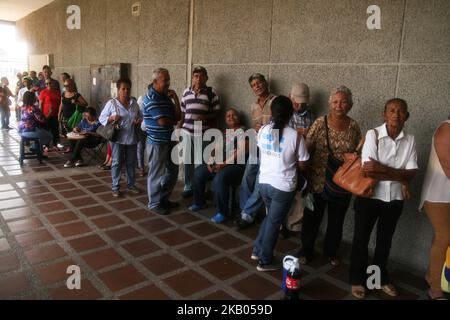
<point x="13" y="10"/>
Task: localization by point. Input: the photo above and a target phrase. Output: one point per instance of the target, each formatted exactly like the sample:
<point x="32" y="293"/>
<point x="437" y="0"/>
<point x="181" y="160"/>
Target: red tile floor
<point x="51" y="217"/>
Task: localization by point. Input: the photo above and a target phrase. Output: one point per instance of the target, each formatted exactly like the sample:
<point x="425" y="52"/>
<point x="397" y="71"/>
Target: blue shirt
<point x="155" y="107"/>
<point x="84" y="125"/>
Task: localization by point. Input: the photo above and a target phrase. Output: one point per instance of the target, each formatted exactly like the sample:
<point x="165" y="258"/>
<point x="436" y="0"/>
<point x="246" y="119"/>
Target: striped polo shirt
<point x="193" y="106"/>
<point x="156" y="106"/>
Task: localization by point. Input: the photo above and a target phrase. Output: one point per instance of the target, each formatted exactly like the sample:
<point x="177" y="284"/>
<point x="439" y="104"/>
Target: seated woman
<point x="33" y="121"/>
<point x="223" y="173"/>
<point x="87" y="127"/>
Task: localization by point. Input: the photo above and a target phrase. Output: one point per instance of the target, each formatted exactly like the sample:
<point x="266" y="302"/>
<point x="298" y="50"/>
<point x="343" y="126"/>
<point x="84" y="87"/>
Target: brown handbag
<point x="350" y="176"/>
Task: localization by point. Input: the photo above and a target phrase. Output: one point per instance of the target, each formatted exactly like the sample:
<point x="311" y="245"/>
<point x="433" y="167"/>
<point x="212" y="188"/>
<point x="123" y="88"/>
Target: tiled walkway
<point x="51" y="217"/>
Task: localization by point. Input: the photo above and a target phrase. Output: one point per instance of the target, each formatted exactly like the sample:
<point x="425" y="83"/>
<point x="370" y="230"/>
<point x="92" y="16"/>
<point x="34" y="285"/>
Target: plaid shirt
<point x="302" y="119"/>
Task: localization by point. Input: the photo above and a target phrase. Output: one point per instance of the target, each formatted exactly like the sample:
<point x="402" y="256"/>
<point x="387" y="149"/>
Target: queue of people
<point x="292" y="146"/>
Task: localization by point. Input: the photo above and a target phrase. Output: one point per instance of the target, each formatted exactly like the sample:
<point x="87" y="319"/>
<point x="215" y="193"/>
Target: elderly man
<point x="250" y="199"/>
<point x="199" y="103"/>
<point x="160" y="116"/>
<point x="303" y="116"/>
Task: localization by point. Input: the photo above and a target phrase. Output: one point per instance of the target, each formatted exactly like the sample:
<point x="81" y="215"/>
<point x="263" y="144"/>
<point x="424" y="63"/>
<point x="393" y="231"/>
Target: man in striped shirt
<point x="160" y="115"/>
<point x="200" y="108"/>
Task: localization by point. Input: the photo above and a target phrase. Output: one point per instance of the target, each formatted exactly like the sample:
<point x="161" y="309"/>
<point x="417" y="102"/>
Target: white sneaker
<point x="68" y="164"/>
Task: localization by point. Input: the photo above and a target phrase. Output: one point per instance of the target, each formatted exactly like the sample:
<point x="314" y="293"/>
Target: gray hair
<point x="342" y="89"/>
<point x="157" y="72"/>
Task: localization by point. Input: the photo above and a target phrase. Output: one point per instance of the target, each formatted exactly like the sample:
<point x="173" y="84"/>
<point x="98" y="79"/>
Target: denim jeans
<point x="119" y="152"/>
<point x="141" y="154"/>
<point x="191" y="159"/>
<point x="5" y="114"/>
<point x="278" y="204"/>
<point x="250" y="198"/>
<point x="162" y="173"/>
<point x="222" y="181"/>
<point x="44" y="135"/>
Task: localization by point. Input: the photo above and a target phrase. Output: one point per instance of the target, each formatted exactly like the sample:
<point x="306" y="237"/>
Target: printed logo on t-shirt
<point x="269" y="146"/>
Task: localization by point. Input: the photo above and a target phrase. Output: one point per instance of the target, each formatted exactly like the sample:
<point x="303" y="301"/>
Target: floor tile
<point x="62" y="217"/>
<point x="9" y="262"/>
<point x="156" y="225"/>
<point x="122" y="278"/>
<point x="123" y="233"/>
<point x="187" y="283"/>
<point x="139" y="214"/>
<point x="34" y="237"/>
<point x="218" y="295"/>
<point x="175" y="237"/>
<point x="54" y="273"/>
<point x="204" y="229"/>
<point x="73" y="229"/>
<point x="41" y="198"/>
<point x="183" y="218"/>
<point x="150" y="292"/>
<point x="162" y="264"/>
<point x="141" y="247"/>
<point x="95" y="211"/>
<point x="27" y="224"/>
<point x="123" y="205"/>
<point x="42" y="254"/>
<point x="315" y="290"/>
<point x="198" y="251"/>
<point x="226" y="242"/>
<point x="256" y="287"/>
<point x="87" y="292"/>
<point x="87" y="243"/>
<point x="70" y="194"/>
<point x="102" y="258"/>
<point x="13" y="285"/>
<point x="52" y="207"/>
<point x="108" y="221"/>
<point x="17" y="213"/>
<point x="224" y="268"/>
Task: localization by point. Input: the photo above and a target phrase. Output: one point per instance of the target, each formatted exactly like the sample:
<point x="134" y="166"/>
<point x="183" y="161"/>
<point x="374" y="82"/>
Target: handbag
<point x="351" y="177"/>
<point x="75" y="118"/>
<point x="331" y="191"/>
<point x="109" y="130"/>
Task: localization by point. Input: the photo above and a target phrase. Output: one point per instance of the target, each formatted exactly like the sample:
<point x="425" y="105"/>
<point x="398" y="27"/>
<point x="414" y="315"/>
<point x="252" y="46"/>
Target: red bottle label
<point x="292" y="284"/>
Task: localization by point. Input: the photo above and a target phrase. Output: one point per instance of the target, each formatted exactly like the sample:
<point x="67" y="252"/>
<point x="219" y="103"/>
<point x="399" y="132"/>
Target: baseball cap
<point x="300" y="93"/>
<point x="200" y="69"/>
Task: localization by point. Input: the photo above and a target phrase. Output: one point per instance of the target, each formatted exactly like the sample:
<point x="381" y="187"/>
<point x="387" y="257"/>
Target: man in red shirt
<point x="50" y="99"/>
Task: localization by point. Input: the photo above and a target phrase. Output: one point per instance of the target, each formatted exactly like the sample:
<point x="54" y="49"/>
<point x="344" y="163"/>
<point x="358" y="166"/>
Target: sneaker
<point x="334" y="261"/>
<point x="79" y="163"/>
<point x="196" y="207"/>
<point x="68" y="164"/>
<point x="254" y="256"/>
<point x="116" y="193"/>
<point x="60" y="146"/>
<point x="187" y="194"/>
<point x="218" y="218"/>
<point x="160" y="210"/>
<point x="242" y="224"/>
<point x="170" y="204"/>
<point x="134" y="190"/>
<point x="267" y="267"/>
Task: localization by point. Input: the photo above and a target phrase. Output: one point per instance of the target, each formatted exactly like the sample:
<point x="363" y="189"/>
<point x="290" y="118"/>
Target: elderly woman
<point x="436" y="201"/>
<point x="125" y="111"/>
<point x="328" y="139"/>
<point x="224" y="173"/>
<point x="389" y="156"/>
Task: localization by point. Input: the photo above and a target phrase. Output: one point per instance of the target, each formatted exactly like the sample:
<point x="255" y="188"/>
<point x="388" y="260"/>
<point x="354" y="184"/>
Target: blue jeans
<point x="141" y="154"/>
<point x="222" y="181"/>
<point x="44" y="135"/>
<point x="162" y="173"/>
<point x="250" y="198"/>
<point x="119" y="152"/>
<point x="192" y="157"/>
<point x="5" y="114"/>
<point x="278" y="204"/>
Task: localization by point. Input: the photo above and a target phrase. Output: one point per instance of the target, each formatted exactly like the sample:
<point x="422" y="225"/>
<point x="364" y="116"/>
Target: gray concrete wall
<point x="323" y="43"/>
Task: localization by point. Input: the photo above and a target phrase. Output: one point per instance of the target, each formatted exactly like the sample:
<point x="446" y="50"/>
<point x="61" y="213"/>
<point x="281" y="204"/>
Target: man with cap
<point x="199" y="104"/>
<point x="250" y="199"/>
<point x="302" y="117"/>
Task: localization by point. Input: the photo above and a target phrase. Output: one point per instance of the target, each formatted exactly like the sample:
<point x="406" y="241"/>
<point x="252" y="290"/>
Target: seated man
<point x="87" y="128"/>
<point x="224" y="173"/>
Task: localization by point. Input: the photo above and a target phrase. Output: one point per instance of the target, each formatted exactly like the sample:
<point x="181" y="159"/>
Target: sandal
<point x="106" y="167"/>
<point x="436" y="296"/>
<point x="101" y="166"/>
<point x="390" y="290"/>
<point x="359" y="292"/>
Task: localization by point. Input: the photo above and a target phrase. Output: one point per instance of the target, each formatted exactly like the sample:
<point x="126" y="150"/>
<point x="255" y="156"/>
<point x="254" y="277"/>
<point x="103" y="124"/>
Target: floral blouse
<point x="32" y="118"/>
<point x="340" y="142"/>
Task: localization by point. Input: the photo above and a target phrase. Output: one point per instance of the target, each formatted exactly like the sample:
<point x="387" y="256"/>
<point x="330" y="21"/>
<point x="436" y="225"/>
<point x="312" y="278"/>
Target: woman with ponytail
<point x="282" y="151"/>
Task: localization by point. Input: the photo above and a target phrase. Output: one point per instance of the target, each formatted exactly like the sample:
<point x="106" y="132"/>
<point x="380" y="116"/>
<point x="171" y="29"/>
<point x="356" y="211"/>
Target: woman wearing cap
<point x="436" y="201"/>
<point x="328" y="138"/>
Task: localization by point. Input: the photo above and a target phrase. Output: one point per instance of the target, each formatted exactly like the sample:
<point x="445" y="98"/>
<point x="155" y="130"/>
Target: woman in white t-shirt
<point x="282" y="150"/>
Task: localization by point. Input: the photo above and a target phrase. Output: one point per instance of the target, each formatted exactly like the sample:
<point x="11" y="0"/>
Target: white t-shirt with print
<point x="279" y="163"/>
